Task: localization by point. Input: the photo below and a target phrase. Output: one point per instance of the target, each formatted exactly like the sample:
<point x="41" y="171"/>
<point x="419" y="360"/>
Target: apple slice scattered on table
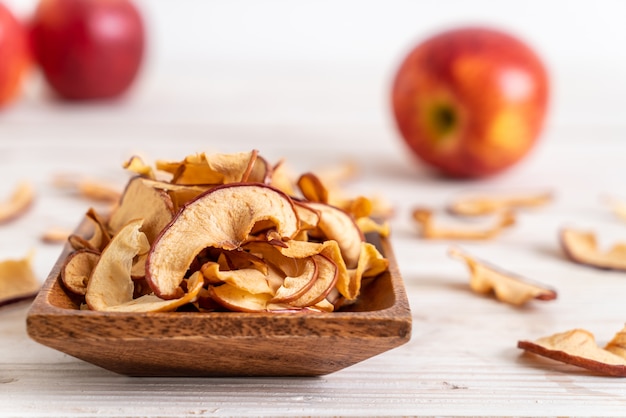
<point x="579" y="348"/>
<point x="17" y="280"/>
<point x="582" y="247"/>
<point x="477" y="204"/>
<point x="18" y="203"/>
<point x="506" y="286"/>
<point x="430" y="230"/>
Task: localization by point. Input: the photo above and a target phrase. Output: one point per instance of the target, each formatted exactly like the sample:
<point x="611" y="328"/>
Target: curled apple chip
<point x="17" y="280"/>
<point x="110" y="283"/>
<point x="579" y="348"/>
<point x="223" y="218"/>
<point x="582" y="247"/>
<point x="18" y="203"/>
<point x="141" y="200"/>
<point x="506" y="286"/>
<point x="430" y="230"/>
<point x="77" y="269"/>
<point x="136" y="165"/>
<point x="488" y="203"/>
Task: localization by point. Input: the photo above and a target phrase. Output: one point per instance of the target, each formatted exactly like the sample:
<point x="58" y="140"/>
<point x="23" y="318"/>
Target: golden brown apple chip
<point x="506" y="286"/>
<point x="488" y="203"/>
<point x="312" y="188"/>
<point x="579" y="348"/>
<point x="17" y="281"/>
<point x="215" y="169"/>
<point x="581" y="247"/>
<point x="136" y="165"/>
<point x="77" y="269"/>
<point x="18" y="203"/>
<point x="430" y="230"/>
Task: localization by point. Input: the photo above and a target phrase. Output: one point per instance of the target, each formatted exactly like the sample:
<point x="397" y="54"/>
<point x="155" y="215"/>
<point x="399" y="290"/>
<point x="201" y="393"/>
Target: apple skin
<point x="471" y="102"/>
<point x="15" y="56"/>
<point x="88" y="49"/>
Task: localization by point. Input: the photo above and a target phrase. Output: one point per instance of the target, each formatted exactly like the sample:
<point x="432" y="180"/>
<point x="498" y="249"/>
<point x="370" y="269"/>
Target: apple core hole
<point x="445" y="119"/>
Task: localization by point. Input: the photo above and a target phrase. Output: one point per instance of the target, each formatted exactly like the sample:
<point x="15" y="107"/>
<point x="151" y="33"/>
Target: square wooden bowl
<point x="225" y="343"/>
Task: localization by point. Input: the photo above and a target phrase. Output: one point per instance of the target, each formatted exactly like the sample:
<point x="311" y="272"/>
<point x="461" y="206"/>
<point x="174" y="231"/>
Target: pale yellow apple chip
<point x="371" y="264"/>
<point x="249" y="279"/>
<point x="581" y="247"/>
<point x="140" y="200"/>
<point x="18" y="203"/>
<point x="579" y="348"/>
<point x="488" y="203"/>
<point x="17" y="280"/>
<point x="430" y="230"/>
<point x="110" y="283"/>
<point x="506" y="286"/>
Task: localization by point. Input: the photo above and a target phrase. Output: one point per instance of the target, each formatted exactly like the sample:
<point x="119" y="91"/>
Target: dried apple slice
<point x="77" y="269"/>
<point x="110" y="283"/>
<point x="249" y="279"/>
<point x="152" y="303"/>
<point x="236" y="299"/>
<point x="17" y="280"/>
<point x="136" y="165"/>
<point x="140" y="200"/>
<point x="506" y="286"/>
<point x="432" y="231"/>
<point x="299" y="282"/>
<point x="578" y="347"/>
<point x="18" y="203"/>
<point x="312" y="188"/>
<point x="222" y="218"/>
<point x="488" y="203"/>
<point x="179" y="193"/>
<point x="335" y="224"/>
<point x="55" y="235"/>
<point x="327" y="274"/>
<point x="371" y="264"/>
<point x="581" y="247"/>
<point x="213" y="169"/>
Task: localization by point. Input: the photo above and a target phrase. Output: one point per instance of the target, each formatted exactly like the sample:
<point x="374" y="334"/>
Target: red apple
<point x="14" y="56"/>
<point x="88" y="49"/>
<point x="471" y="102"/>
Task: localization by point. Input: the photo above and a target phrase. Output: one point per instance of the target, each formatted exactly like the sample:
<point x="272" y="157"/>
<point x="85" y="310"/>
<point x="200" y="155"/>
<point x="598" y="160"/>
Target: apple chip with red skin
<point x="506" y="286"/>
<point x="223" y="218"/>
<point x="579" y="348"/>
<point x="582" y="247"/>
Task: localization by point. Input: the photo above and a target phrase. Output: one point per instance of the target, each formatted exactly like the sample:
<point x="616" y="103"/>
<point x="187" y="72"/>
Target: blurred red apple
<point x="15" y="57"/>
<point x="88" y="49"/>
<point x="471" y="102"/>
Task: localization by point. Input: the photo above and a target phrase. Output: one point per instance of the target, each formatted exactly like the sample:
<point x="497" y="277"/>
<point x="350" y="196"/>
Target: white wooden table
<point x="462" y="358"/>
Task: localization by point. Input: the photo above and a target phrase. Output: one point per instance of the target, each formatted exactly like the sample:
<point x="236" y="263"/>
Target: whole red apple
<point x="15" y="56"/>
<point x="471" y="102"/>
<point x="88" y="49"/>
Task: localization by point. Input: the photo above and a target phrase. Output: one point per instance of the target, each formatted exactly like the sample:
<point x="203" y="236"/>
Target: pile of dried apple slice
<point x="223" y="232"/>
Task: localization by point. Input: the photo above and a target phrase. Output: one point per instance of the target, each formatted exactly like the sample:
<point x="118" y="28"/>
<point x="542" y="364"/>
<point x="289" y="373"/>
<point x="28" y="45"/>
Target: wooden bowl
<point x="225" y="343"/>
